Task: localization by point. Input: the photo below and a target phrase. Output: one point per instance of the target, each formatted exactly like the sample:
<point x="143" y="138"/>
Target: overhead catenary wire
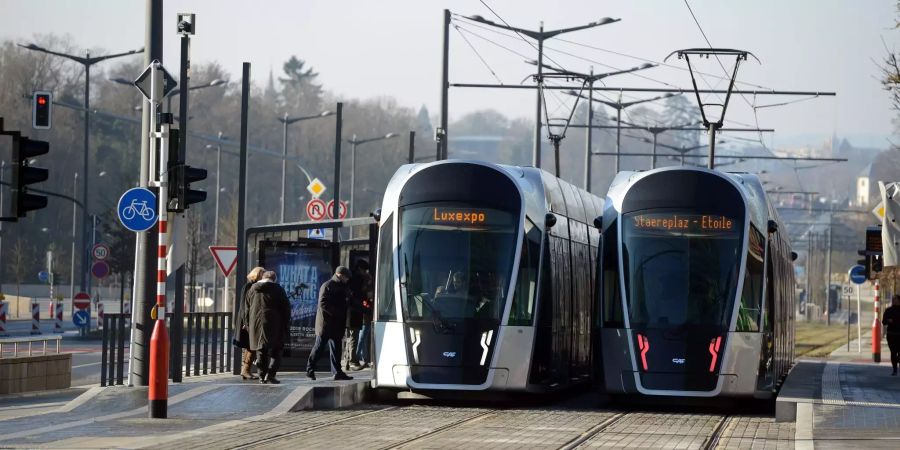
<point x="483" y="61"/>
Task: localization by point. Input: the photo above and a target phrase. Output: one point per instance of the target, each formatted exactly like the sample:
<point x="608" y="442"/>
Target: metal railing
<point x="15" y="342"/>
<point x="204" y="348"/>
<point x="215" y="330"/>
<point x="112" y="354"/>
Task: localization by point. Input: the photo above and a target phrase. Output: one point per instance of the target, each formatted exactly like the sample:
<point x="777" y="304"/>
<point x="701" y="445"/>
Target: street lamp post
<point x="87" y="61"/>
<point x="285" y="121"/>
<point x="540" y="36"/>
<point x="218" y="147"/>
<point x="353" y="143"/>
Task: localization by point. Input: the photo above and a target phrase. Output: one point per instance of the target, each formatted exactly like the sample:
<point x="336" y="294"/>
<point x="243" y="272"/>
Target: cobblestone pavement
<point x="436" y="426"/>
<point x="206" y="421"/>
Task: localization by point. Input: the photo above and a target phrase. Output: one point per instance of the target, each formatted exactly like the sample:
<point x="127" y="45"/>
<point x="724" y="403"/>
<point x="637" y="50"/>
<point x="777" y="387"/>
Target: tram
<point x="484" y="280"/>
<point x="696" y="286"/>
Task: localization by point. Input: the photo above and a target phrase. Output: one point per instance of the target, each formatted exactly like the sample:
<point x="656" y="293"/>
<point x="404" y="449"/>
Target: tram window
<point x="680" y="267"/>
<point x="612" y="301"/>
<point x="522" y="310"/>
<point x="456" y="261"/>
<point x="751" y="298"/>
<point x="385" y="272"/>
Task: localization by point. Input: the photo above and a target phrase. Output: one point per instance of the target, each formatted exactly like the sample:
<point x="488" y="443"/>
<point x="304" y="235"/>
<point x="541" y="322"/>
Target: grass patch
<point x="816" y="340"/>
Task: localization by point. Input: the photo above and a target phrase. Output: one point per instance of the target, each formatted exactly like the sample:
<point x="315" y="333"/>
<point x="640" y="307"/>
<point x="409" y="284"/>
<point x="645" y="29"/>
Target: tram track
<point x="712" y="440"/>
<point x="593" y="431"/>
<point x="283" y="436"/>
<point x="439" y="430"/>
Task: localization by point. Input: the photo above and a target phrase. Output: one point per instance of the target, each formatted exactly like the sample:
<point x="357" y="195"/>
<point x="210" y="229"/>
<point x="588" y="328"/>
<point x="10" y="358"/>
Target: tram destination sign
<point x="711" y="224"/>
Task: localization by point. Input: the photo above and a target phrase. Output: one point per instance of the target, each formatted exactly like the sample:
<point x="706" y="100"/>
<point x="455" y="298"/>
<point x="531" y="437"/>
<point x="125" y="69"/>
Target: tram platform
<point x="101" y="417"/>
<point x="843" y="401"/>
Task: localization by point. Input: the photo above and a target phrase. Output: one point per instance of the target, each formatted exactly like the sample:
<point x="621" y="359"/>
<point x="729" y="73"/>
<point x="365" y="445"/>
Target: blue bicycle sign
<point x="137" y="209"/>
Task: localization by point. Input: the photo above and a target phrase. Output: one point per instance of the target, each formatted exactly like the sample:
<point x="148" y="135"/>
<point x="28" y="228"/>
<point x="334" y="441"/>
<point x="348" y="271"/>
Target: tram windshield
<point x="681" y="268"/>
<point x="455" y="261"/>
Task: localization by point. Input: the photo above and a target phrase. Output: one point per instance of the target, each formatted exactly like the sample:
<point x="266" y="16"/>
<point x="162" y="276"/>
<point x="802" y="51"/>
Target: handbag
<point x="243" y="340"/>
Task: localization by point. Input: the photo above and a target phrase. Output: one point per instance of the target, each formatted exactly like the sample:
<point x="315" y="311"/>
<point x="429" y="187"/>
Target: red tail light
<point x="714" y="346"/>
<point x="644" y="346"/>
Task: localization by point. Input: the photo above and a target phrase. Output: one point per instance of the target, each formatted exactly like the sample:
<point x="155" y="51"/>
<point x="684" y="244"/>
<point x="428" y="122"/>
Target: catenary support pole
<point x="85" y="259"/>
<point x="336" y="211"/>
<point x="145" y="275"/>
<point x="412" y="147"/>
<point x="588" y="158"/>
<point x="241" y="269"/>
<point x="284" y="137"/>
<point x="536" y="151"/>
<point x="619" y="136"/>
<point x="445" y="89"/>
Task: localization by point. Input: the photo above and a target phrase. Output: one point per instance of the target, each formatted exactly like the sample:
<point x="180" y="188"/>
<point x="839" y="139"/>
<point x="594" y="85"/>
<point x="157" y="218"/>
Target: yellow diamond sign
<point x="316" y="187"/>
<point x="879" y="211"/>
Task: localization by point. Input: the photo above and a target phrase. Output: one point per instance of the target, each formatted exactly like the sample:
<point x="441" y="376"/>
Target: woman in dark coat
<point x="243" y="320"/>
<point x="270" y="320"/>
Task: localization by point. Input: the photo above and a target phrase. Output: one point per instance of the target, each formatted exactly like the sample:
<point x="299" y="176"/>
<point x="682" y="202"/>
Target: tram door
<point x="767" y="360"/>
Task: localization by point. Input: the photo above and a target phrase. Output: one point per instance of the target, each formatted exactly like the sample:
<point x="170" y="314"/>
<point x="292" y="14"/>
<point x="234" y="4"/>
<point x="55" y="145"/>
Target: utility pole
<point x="441" y="133"/>
<point x="144" y="276"/>
<point x="336" y="212"/>
<point x="241" y="270"/>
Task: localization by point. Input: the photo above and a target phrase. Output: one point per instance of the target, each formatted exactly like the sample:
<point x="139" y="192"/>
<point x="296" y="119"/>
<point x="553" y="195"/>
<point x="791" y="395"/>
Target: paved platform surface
<point x="845" y="401"/>
<point x="116" y="417"/>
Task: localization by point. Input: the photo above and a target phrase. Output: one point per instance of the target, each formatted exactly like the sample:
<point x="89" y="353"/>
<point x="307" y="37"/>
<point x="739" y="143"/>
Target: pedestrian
<point x="366" y="294"/>
<point x="891" y="321"/>
<point x="331" y="316"/>
<point x="270" y="319"/>
<point x="355" y="312"/>
<point x="243" y="323"/>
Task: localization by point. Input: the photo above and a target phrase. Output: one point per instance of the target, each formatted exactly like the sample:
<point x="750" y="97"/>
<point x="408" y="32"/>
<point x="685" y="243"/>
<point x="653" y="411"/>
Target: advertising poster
<point x="302" y="267"/>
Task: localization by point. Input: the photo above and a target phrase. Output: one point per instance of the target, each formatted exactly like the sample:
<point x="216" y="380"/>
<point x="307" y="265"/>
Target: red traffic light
<point x="41" y="113"/>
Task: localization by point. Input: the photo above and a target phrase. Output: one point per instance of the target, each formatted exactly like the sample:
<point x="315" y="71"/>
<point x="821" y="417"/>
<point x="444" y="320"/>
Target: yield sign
<point x="225" y="257"/>
<point x="143" y="81"/>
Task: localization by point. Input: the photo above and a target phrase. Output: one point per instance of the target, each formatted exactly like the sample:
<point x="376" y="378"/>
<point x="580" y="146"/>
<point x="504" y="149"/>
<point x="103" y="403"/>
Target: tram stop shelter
<point x="304" y="255"/>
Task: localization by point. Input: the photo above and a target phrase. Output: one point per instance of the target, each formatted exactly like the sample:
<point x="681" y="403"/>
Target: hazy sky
<point x="392" y="47"/>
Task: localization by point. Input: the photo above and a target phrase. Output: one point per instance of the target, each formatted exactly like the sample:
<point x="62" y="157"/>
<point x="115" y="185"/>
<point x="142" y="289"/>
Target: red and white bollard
<point x="876" y="328"/>
<point x="35" y="318"/>
<point x="99" y="315"/>
<point x="58" y="316"/>
<point x="3" y="307"/>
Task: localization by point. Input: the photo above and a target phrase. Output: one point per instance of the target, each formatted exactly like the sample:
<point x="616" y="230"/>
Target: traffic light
<point x="865" y="262"/>
<point x="22" y="151"/>
<point x="41" y="110"/>
<point x="181" y="175"/>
